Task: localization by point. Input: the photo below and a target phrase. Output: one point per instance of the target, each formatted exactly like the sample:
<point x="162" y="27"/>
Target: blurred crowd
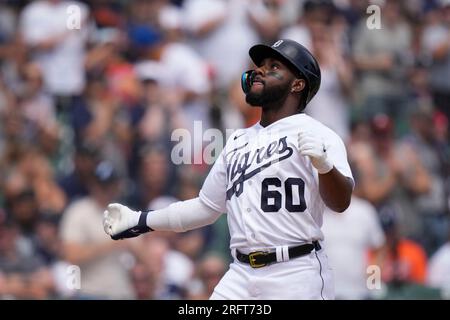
<point x="90" y="96"/>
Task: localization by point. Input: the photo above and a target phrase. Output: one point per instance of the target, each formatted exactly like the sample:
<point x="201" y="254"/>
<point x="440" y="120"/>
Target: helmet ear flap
<point x="247" y="80"/>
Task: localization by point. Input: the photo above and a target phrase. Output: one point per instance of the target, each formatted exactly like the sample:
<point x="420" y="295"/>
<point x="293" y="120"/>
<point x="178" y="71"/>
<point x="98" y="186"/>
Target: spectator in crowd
<point x="22" y="207"/>
<point x="59" y="49"/>
<point x="354" y="11"/>
<point x="359" y="141"/>
<point x="143" y="282"/>
<point x="349" y="237"/>
<point x="23" y="274"/>
<point x="382" y="58"/>
<point x="13" y="55"/>
<point x="331" y="104"/>
<point x="101" y="120"/>
<point x="39" y="174"/>
<point x="38" y="106"/>
<point x="172" y="269"/>
<point x="431" y="205"/>
<point x="15" y="134"/>
<point x="234" y="25"/>
<point x="103" y="273"/>
<point x="8" y="22"/>
<point x="154" y="172"/>
<point x="76" y="183"/>
<point x="210" y="270"/>
<point x="402" y="262"/>
<point x="157" y="115"/>
<point x="385" y="179"/>
<point x="190" y="243"/>
<point x="436" y="44"/>
<point x="313" y="13"/>
<point x="186" y="77"/>
<point x="108" y="14"/>
<point x="439" y="264"/>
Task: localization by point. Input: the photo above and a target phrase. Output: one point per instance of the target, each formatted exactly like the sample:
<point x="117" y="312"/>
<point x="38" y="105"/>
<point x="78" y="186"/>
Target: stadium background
<point x="86" y="117"/>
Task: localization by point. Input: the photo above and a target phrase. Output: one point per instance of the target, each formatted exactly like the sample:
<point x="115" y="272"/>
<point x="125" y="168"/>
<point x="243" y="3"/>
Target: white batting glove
<point x="120" y="222"/>
<point x="315" y="148"/>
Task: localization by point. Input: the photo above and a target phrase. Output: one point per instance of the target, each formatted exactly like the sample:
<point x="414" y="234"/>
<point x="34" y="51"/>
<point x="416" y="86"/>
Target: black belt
<point x="260" y="259"/>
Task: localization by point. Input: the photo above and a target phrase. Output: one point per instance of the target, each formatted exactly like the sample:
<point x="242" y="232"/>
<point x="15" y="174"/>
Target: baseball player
<point x="273" y="180"/>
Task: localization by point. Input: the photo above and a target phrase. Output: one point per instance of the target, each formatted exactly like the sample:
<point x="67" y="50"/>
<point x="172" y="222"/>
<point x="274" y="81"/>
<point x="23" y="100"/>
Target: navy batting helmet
<point x="294" y="55"/>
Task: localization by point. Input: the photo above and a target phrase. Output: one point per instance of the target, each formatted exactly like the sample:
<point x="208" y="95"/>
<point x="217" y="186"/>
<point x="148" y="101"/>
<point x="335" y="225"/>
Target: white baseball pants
<point x="307" y="277"/>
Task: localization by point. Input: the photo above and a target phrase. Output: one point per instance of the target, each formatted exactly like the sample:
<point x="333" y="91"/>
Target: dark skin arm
<point x="335" y="190"/>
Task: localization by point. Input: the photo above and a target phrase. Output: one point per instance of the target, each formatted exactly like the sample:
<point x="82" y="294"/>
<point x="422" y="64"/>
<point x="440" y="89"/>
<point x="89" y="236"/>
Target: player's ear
<point x="298" y="85"/>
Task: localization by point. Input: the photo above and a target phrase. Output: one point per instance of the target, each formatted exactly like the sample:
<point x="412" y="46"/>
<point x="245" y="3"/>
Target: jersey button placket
<point x="252" y="234"/>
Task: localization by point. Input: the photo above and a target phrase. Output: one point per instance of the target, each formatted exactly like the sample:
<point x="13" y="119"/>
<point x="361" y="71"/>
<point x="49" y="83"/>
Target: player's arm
<point x="121" y="222"/>
<point x="335" y="188"/>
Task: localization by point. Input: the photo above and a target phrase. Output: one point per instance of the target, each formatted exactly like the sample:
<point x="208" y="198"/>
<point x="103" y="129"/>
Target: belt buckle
<point x="252" y="259"/>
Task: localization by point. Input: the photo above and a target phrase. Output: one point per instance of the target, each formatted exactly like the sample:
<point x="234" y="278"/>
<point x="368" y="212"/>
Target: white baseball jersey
<point x="269" y="191"/>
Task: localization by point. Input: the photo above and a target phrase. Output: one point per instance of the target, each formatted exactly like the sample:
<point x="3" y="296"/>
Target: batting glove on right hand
<point x="314" y="147"/>
<point x="121" y="222"/>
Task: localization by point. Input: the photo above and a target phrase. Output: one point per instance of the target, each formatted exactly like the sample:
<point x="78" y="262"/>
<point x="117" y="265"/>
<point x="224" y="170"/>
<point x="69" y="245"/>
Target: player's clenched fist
<point x="314" y="147"/>
<point x="121" y="222"/>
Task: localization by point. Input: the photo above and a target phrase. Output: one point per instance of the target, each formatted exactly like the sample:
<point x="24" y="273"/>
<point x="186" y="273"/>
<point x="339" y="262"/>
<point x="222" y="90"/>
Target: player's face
<point x="272" y="84"/>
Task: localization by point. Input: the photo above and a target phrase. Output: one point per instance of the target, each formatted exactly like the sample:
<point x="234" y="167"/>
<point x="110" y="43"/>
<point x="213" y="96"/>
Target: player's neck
<point x="269" y="116"/>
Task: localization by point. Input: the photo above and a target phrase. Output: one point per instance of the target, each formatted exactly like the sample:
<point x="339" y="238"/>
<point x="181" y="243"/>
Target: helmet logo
<point x="277" y="44"/>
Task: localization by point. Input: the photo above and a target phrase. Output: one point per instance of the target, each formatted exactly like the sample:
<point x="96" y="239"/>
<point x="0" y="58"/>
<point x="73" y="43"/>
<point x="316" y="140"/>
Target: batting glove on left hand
<point x="314" y="147"/>
<point x="121" y="222"/>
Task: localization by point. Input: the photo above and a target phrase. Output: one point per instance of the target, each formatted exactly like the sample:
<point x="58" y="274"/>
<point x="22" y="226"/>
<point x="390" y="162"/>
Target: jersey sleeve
<point x="214" y="189"/>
